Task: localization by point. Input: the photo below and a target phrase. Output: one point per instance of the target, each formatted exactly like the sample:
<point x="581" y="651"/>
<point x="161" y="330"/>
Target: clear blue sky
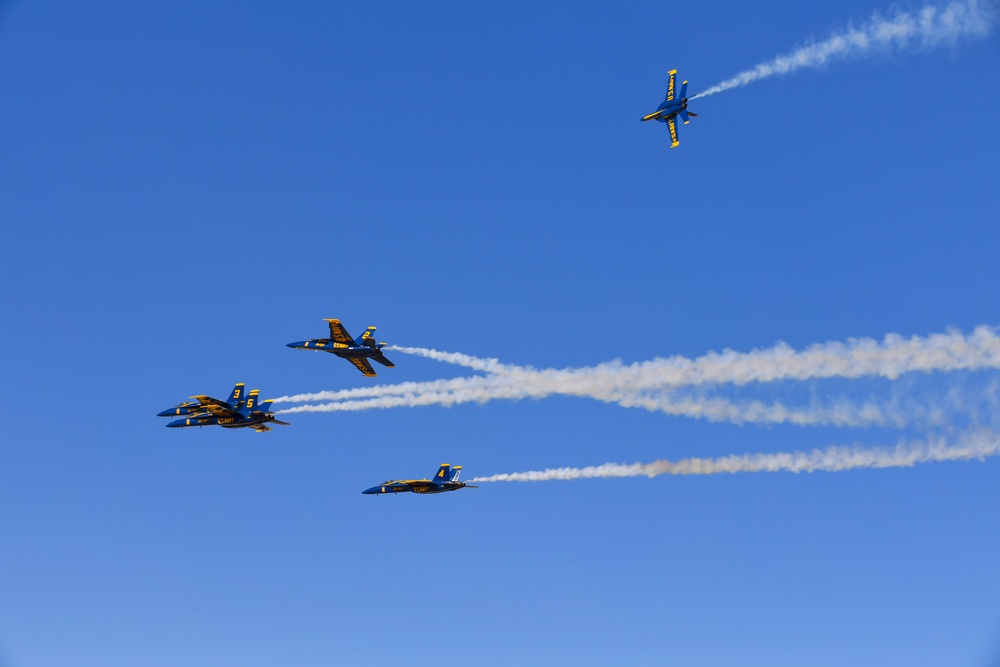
<point x="187" y="186"/>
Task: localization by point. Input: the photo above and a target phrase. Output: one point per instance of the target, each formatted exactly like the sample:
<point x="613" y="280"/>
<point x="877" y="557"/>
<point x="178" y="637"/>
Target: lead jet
<point x="251" y="414"/>
<point x="671" y="108"/>
<point x="236" y="400"/>
<point x="446" y="479"/>
<point x="341" y="344"/>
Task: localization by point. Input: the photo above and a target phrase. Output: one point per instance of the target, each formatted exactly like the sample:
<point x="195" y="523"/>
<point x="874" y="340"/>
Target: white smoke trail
<point x="401" y="389"/>
<point x="926" y="28"/>
<point x="715" y="409"/>
<point x="894" y="356"/>
<point x="842" y="413"/>
<point x="653" y="385"/>
<point x="487" y="365"/>
<point x="974" y="445"/>
<point x="855" y="358"/>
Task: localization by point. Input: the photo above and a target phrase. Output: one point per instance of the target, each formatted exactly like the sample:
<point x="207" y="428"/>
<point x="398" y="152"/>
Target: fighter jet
<point x="672" y="107"/>
<point x="214" y="412"/>
<point x="341" y="344"/>
<point x="236" y="400"/>
<point x="446" y="479"/>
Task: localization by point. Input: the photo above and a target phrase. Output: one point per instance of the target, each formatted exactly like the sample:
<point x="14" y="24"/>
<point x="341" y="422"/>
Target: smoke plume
<point x="654" y="385"/>
<point x="923" y="29"/>
<point x="974" y="445"/>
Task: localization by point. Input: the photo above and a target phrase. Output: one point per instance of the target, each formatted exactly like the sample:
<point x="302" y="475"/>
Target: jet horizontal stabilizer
<point x="382" y="360"/>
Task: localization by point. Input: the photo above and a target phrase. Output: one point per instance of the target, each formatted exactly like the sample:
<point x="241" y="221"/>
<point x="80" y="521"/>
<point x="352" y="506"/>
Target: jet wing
<point x="672" y="125"/>
<point x="215" y="406"/>
<point x="338" y="334"/>
<point x="393" y="487"/>
<point x="362" y="365"/>
<point x="671" y="89"/>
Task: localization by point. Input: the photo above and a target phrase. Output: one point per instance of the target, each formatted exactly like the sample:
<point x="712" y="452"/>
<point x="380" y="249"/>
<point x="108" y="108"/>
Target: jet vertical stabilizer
<point x="238" y="395"/>
<point x="252" y="399"/>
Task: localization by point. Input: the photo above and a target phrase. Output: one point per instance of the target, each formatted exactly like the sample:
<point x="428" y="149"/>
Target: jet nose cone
<point x="372" y="491"/>
<point x="176" y="423"/>
<point x="297" y="344"/>
<point x="167" y="412"/>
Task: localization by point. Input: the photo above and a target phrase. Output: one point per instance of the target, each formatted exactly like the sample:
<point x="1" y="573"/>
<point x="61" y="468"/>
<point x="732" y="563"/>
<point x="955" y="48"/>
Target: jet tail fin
<point x="455" y="472"/>
<point x="237" y="395"/>
<point x="444" y="473"/>
<point x="684" y="116"/>
<point x="684" y="89"/>
<point x="368" y="337"/>
<point x="252" y="400"/>
<point x="265" y="406"/>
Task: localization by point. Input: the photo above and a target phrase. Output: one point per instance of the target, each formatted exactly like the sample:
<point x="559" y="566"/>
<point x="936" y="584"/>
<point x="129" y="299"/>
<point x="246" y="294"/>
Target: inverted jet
<point x="672" y="107"/>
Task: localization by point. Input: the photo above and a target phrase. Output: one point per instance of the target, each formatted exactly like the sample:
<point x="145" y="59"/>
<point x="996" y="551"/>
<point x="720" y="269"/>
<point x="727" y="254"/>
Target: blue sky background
<point x="187" y="186"/>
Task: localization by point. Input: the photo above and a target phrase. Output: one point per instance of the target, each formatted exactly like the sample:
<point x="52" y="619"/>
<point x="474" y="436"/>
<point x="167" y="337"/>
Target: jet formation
<point x="234" y="412"/>
<point x="242" y="410"/>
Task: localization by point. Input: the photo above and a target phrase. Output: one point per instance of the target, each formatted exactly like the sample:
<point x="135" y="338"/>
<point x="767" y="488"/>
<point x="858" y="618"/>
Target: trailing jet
<point x="250" y="414"/>
<point x="446" y="479"/>
<point x="341" y="344"/>
<point x="672" y="107"/>
<point x="236" y="400"/>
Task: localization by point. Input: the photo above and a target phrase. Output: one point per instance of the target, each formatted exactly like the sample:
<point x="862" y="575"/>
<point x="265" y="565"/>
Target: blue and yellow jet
<point x="446" y="479"/>
<point x="672" y="107"/>
<point x="232" y="413"/>
<point x="237" y="398"/>
<point x="341" y="344"/>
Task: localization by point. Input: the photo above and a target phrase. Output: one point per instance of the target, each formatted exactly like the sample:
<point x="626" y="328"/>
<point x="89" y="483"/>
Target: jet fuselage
<point x="342" y="350"/>
<point x="418" y="486"/>
<point x="667" y="111"/>
<point x="235" y="421"/>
